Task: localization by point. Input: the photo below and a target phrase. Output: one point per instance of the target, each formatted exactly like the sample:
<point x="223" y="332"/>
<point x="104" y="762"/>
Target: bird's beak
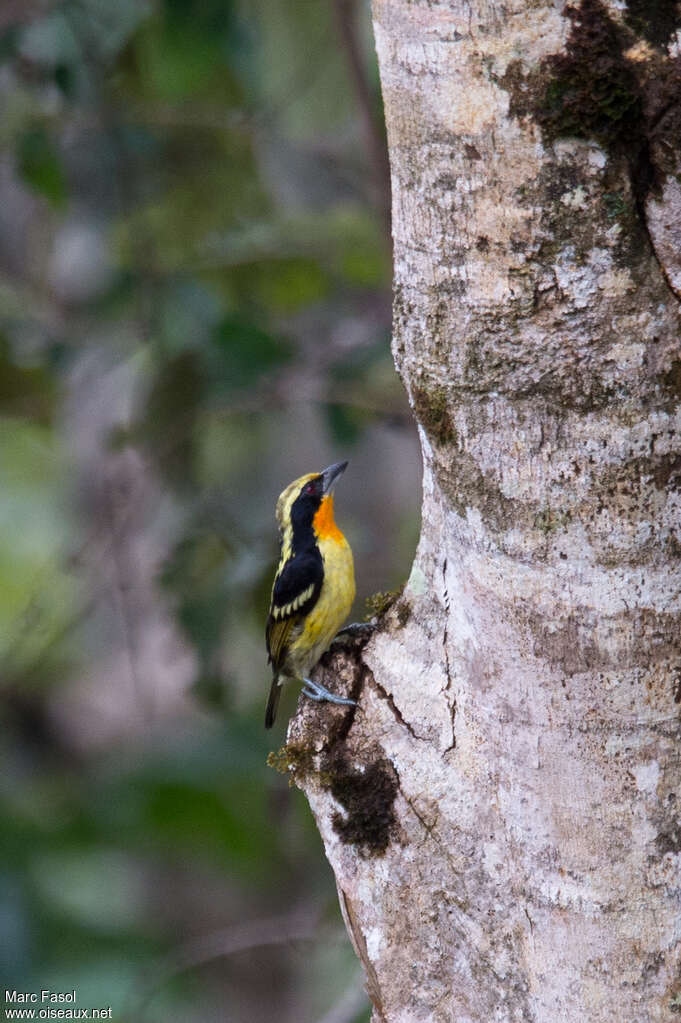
<point x="330" y="475"/>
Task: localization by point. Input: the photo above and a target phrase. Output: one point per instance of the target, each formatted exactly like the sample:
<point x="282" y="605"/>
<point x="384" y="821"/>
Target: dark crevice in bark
<point x="449" y="690"/>
<point x="428" y="828"/>
<point x="397" y="713"/>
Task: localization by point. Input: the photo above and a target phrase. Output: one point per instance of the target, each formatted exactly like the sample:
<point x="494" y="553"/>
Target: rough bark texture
<point x="502" y="810"/>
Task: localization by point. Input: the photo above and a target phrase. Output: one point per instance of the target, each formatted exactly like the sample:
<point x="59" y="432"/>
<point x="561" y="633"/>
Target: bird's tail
<point x="273" y="702"/>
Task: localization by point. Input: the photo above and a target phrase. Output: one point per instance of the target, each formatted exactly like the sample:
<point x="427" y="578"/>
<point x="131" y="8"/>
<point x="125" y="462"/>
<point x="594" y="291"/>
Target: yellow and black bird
<point x="314" y="586"/>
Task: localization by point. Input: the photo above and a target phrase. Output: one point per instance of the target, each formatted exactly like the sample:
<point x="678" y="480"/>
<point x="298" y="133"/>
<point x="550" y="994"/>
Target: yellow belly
<point x="330" y="611"/>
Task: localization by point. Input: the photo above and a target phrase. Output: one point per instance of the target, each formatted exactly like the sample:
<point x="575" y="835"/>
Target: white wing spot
<point x="289" y="609"/>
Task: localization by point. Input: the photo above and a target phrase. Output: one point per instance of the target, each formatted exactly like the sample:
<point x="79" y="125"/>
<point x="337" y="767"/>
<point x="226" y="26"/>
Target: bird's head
<point x="308" y="501"/>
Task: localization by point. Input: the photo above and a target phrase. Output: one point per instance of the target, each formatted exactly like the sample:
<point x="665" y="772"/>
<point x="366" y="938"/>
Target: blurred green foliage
<point x="40" y="167"/>
<point x="194" y="308"/>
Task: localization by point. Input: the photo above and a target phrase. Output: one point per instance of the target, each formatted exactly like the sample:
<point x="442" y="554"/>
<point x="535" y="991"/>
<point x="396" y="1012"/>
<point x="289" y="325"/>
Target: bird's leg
<point x="316" y="691"/>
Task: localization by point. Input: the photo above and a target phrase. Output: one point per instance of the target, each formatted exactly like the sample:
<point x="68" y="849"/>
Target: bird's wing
<point x="295" y="592"/>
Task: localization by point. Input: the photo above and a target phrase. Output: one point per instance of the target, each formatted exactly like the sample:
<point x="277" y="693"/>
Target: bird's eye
<point x="310" y="488"/>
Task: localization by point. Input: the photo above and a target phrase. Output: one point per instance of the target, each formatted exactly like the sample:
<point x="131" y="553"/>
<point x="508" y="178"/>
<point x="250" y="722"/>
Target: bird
<point x="314" y="585"/>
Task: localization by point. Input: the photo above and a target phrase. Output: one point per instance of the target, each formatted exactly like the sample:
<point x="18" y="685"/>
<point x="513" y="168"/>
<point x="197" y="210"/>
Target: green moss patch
<point x="293" y="760"/>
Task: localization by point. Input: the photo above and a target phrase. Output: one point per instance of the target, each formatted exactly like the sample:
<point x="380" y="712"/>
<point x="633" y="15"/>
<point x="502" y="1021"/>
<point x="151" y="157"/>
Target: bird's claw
<point x="316" y="691"/>
<point x="351" y="632"/>
<point x="354" y="627"/>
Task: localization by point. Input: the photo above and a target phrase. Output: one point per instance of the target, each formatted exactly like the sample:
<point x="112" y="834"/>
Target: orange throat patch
<point x="324" y="523"/>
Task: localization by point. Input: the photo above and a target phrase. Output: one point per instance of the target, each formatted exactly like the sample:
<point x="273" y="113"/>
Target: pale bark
<point x="502" y="810"/>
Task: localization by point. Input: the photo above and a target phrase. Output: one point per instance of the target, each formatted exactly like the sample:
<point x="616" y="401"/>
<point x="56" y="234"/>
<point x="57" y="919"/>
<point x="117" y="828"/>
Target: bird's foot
<point x="356" y="627"/>
<point x="352" y="632"/>
<point x="316" y="691"/>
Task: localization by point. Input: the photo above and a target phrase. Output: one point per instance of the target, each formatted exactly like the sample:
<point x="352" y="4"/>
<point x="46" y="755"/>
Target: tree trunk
<point x="502" y="809"/>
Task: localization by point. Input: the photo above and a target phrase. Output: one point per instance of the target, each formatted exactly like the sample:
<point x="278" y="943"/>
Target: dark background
<point x="194" y="310"/>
